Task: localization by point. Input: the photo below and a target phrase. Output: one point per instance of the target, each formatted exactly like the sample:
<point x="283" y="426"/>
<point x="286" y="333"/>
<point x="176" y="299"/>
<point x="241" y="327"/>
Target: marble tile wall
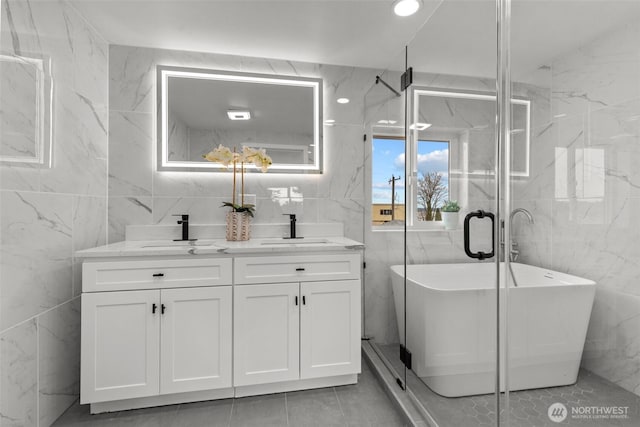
<point x="386" y="248"/>
<point x="584" y="195"/>
<point x="48" y="213"/>
<point x="139" y="194"/>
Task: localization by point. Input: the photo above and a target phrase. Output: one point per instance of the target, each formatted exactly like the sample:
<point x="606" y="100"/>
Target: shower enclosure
<point x="527" y="311"/>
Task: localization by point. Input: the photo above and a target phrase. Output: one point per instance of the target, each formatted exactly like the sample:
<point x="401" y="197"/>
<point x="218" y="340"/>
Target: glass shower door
<point x="451" y="271"/>
<point x="571" y="236"/>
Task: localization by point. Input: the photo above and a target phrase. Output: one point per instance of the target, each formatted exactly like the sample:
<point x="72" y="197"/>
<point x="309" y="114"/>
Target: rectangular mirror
<point x="25" y="110"/>
<point x="467" y="121"/>
<point x="199" y="109"/>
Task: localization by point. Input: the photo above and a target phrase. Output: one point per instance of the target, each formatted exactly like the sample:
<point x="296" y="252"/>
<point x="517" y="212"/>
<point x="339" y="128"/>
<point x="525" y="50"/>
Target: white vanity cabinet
<point x="300" y="330"/>
<point x="164" y="329"/>
<point x="140" y="343"/>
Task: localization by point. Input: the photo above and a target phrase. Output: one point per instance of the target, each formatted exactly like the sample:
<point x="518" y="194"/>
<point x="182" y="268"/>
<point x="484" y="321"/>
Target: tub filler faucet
<point x="514" y="251"/>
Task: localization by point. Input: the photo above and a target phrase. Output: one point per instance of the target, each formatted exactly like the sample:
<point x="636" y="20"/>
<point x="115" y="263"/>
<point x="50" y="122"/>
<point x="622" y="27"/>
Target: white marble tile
<point x="273" y="210"/>
<point x="89" y="230"/>
<point x="90" y="60"/>
<point x="343" y="175"/>
<point x="201" y="210"/>
<point x="18" y="376"/>
<point x="59" y="360"/>
<point x="131" y="160"/>
<point x="123" y="211"/>
<point x="36" y="237"/>
<point x="350" y="212"/>
<point x="598" y="75"/>
<point x="612" y="343"/>
<point x="79" y="148"/>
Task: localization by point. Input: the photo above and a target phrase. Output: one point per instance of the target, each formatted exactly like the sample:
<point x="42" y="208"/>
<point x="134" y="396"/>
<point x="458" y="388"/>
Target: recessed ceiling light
<point x="420" y="126"/>
<point x="406" y="7"/>
<point x="342" y="100"/>
<point x="383" y="122"/>
<point x="330" y="121"/>
<point x="238" y="115"/>
<point x="393" y="122"/>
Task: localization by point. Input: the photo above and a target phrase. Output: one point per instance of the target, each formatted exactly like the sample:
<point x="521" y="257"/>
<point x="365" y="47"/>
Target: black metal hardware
<point x="154" y="307"/>
<point x="162" y="308"/>
<point x="158" y="275"/>
<point x="406" y="79"/>
<point x="400" y="383"/>
<point x="480" y="214"/>
<point x="379" y="80"/>
<point x="292" y="226"/>
<point x="304" y="301"/>
<point x="296" y="300"/>
<point x="184" y="221"/>
<point x="300" y="269"/>
<point x="405" y="356"/>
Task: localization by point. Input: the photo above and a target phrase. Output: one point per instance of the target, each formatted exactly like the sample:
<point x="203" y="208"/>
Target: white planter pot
<point x="238" y="226"/>
<point x="450" y="220"/>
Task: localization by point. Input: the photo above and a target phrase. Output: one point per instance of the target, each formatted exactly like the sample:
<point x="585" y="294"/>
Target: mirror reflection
<point x="25" y="110"/>
<point x="202" y="109"/>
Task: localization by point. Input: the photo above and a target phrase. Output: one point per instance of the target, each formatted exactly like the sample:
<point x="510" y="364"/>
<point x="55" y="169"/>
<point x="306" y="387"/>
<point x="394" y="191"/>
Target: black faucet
<point x="292" y="227"/>
<point x="185" y="228"/>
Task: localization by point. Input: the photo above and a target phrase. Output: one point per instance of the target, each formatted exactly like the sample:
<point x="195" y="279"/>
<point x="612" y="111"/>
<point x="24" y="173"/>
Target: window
<point x="430" y="162"/>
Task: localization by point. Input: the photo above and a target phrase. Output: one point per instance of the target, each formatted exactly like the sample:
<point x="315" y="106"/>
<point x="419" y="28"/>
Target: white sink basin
<point x="172" y="244"/>
<point x="292" y="242"/>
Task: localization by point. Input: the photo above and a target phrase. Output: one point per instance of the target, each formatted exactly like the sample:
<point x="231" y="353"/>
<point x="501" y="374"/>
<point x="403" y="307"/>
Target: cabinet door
<point x="120" y="347"/>
<point x="329" y="328"/>
<point x="196" y="339"/>
<point x="266" y="333"/>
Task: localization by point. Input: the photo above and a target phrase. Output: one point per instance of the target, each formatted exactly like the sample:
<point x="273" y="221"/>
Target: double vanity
<point x="168" y="322"/>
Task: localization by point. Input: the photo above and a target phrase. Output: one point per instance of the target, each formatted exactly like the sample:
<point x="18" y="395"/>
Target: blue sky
<point x="388" y="160"/>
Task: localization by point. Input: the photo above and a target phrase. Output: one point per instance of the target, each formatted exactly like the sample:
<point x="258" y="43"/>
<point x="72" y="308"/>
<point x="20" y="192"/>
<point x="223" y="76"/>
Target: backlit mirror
<point x="200" y="109"/>
<point x="25" y="110"/>
<point x="466" y="121"/>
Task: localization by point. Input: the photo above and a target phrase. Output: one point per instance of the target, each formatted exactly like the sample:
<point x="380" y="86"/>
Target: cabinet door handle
<point x="162" y="308"/>
<point x="300" y="269"/>
<point x="304" y="301"/>
<point x="158" y="275"/>
<point x="154" y="307"/>
<point x="296" y="300"/>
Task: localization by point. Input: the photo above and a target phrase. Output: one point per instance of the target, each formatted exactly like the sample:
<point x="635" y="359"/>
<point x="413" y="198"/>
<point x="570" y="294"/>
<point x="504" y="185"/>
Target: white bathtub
<point x="451" y="325"/>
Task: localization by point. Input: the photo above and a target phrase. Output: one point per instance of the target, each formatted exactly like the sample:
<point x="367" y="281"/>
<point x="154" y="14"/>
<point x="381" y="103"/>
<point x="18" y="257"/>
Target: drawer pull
<point x="162" y="308"/>
<point x="300" y="269"/>
<point x="304" y="301"/>
<point x="154" y="307"/>
<point x="158" y="275"/>
<point x="296" y="300"/>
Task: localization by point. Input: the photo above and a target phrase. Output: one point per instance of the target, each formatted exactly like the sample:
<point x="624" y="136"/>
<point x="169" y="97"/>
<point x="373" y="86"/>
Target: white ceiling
<point x="452" y="36"/>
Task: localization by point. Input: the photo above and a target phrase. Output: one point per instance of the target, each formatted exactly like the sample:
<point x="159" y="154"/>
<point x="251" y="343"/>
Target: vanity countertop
<point x="133" y="248"/>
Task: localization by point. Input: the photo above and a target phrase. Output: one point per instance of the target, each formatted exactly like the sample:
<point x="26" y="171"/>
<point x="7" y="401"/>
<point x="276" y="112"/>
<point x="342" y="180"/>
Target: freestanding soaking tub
<point x="451" y="325"/>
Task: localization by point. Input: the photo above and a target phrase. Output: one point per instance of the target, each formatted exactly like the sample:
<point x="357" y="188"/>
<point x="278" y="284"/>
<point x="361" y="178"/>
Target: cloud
<point x="435" y="161"/>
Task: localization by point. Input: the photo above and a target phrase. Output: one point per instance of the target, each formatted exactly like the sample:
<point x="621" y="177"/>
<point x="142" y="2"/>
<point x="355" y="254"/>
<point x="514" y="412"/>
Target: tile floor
<point x="363" y="404"/>
<point x="528" y="407"/>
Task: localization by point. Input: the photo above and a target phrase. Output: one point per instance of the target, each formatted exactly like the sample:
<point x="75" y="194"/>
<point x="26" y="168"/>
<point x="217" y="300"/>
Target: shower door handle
<point x="480" y="214"/>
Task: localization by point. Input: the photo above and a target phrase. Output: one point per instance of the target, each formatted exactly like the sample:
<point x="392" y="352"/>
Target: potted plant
<point x="239" y="218"/>
<point x="449" y="212"/>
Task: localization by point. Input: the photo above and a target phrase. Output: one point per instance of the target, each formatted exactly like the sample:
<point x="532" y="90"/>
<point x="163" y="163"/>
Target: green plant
<point x="248" y="208"/>
<point x="451" y="206"/>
